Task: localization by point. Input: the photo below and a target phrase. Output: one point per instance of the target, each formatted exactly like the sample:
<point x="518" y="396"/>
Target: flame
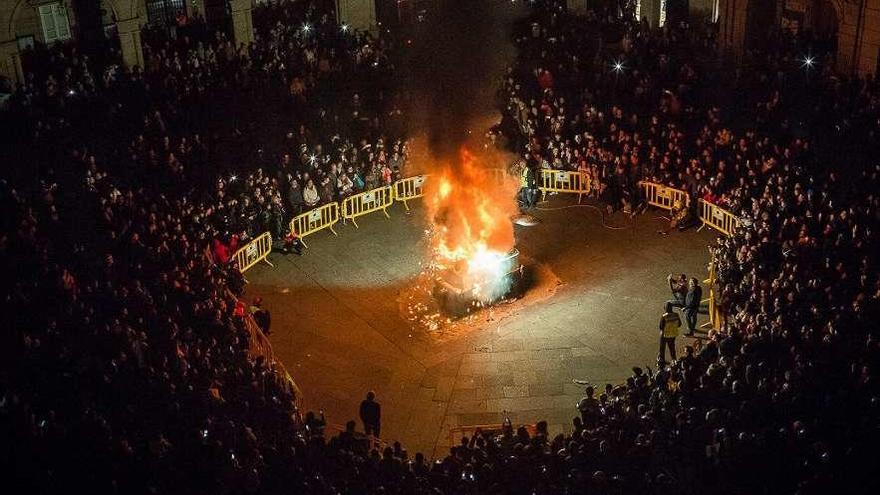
<point x="470" y="206"/>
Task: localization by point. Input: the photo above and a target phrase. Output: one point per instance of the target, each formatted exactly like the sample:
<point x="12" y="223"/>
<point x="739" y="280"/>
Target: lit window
<point x="56" y="27"/>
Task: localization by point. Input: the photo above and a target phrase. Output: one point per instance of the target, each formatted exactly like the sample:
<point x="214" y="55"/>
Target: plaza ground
<point x="340" y="328"/>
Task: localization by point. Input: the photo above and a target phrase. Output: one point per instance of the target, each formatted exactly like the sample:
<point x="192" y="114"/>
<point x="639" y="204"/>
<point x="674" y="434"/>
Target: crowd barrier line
<point x="709" y="214"/>
<point x="254" y="252"/>
<point x="564" y="181"/>
<point x="456" y="433"/>
<point x="409" y="188"/>
<point x="663" y="196"/>
<point x="323" y="217"/>
<point x="374" y="442"/>
<point x="367" y="202"/>
<point x="717" y="218"/>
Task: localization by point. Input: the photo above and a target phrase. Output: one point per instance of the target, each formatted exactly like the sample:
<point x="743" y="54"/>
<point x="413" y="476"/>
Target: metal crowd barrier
<point x="563" y="181"/>
<point x="367" y="202"/>
<point x="718" y="218"/>
<point x="320" y="218"/>
<point x="409" y="188"/>
<point x="662" y="196"/>
<point x="254" y="252"/>
<point x="456" y="433"/>
<point x="714" y="318"/>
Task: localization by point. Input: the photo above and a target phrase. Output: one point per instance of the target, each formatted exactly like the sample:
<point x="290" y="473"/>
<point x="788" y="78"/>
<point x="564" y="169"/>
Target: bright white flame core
<point x="484" y="272"/>
<point x="487" y="271"/>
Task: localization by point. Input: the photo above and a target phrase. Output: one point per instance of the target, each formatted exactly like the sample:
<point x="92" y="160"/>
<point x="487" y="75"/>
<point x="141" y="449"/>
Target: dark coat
<point x="693" y="298"/>
<point x="370" y="412"/>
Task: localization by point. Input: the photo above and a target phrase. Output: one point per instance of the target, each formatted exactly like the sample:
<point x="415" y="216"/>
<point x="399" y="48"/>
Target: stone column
<point x="242" y="21"/>
<point x="359" y="14"/>
<point x="10" y="61"/>
<point x="732" y="27"/>
<point x="130" y="40"/>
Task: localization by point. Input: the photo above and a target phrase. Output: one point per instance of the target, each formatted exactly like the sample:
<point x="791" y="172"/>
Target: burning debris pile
<point x="472" y="242"/>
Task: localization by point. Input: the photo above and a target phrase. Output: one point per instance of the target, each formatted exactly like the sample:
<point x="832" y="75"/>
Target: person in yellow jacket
<point x="670" y="324"/>
<point x="528" y="191"/>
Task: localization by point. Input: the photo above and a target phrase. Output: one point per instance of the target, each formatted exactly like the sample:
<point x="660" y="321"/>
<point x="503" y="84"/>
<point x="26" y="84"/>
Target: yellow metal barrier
<point x="409" y="188"/>
<point x="310" y="222"/>
<point x="563" y="181"/>
<point x="714" y="309"/>
<point x="367" y="202"/>
<point x="718" y="218"/>
<point x="254" y="252"/>
<point x="662" y="196"/>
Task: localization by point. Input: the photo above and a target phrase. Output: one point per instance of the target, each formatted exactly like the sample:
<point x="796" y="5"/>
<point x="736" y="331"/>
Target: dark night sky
<point x="458" y="56"/>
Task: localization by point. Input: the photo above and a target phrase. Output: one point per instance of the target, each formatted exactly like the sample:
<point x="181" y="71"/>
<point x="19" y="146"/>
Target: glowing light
<point x="344" y="28"/>
<point x="306" y="28"/>
<point x="472" y="233"/>
<point x="618" y="66"/>
<point x="808" y="61"/>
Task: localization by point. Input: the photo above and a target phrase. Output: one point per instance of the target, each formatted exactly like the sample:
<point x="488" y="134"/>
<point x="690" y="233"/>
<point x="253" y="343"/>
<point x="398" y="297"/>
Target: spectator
<point x="679" y="288"/>
<point x="693" y="299"/>
<point x="370" y="413"/>
<point x="670" y="323"/>
<point x="261" y="315"/>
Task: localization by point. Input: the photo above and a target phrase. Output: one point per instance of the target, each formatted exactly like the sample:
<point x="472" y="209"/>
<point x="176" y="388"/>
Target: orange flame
<point x="470" y="206"/>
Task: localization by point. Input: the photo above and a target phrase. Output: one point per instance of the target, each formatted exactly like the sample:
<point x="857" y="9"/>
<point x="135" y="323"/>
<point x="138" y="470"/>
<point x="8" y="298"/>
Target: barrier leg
<point x="701" y="227"/>
<point x="302" y="241"/>
<point x="354" y="223"/>
<point x="580" y="195"/>
<point x="333" y="230"/>
<point x="406" y="205"/>
<point x="266" y="260"/>
<point x="385" y="211"/>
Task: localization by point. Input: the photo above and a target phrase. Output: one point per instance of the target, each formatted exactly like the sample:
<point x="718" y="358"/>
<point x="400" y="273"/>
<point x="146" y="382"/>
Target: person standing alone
<point x="670" y="323"/>
<point x="371" y="414"/>
<point x="692" y="305"/>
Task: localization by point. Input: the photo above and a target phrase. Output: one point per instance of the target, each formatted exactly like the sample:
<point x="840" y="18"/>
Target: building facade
<point x="852" y="27"/>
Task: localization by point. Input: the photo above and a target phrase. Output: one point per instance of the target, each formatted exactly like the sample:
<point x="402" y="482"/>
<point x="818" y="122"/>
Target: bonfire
<point x="469" y="205"/>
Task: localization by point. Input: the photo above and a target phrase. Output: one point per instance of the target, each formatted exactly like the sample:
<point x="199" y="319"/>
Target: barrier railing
<point x="711" y="302"/>
<point x="662" y="196"/>
<point x="313" y="221"/>
<point x="563" y="181"/>
<point x="259" y="345"/>
<point x="409" y="188"/>
<point x="254" y="252"/>
<point x="367" y="202"/>
<point x="718" y="218"/>
<point x="457" y="432"/>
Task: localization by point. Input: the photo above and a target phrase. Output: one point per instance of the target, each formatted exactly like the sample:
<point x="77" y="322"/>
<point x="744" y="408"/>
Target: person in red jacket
<point x="223" y="252"/>
<point x="545" y="79"/>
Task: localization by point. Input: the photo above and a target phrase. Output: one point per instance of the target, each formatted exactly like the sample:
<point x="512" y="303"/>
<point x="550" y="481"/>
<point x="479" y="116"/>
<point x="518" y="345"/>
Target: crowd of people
<point x="129" y="366"/>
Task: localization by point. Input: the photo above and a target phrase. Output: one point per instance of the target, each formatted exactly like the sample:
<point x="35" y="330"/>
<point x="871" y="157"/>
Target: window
<point x="53" y="17"/>
<point x="162" y="13"/>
